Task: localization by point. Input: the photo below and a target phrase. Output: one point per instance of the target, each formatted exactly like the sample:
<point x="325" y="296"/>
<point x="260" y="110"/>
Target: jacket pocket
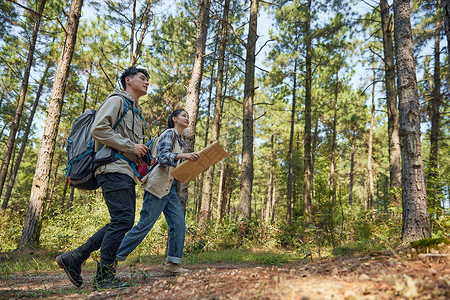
<point x="136" y="135"/>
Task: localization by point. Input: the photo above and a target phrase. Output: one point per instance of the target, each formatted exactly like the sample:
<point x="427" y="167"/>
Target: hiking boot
<point x="173" y="269"/>
<point x="71" y="263"/>
<point x="106" y="278"/>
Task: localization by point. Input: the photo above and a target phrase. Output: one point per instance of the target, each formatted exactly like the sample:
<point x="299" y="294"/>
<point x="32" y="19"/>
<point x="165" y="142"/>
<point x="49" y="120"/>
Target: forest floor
<point x="394" y="274"/>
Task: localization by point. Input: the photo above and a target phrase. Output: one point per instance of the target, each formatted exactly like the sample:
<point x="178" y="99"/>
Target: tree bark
<point x="135" y="54"/>
<point x="53" y="180"/>
<point x="22" y="97"/>
<point x="32" y="223"/>
<point x="307" y="178"/>
<point x="370" y="144"/>
<point x="391" y="99"/>
<point x="333" y="144"/>
<point x="246" y="184"/>
<point x="270" y="185"/>
<point x="433" y="186"/>
<point x="415" y="218"/>
<point x="215" y="128"/>
<point x="12" y="178"/>
<point x="193" y="88"/>
<point x="220" y="198"/>
<point x="352" y="167"/>
<point x="446" y="13"/>
<point x="291" y="144"/>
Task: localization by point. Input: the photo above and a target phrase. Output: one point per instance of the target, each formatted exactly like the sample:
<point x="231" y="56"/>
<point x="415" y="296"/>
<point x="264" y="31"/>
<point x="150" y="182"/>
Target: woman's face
<point x="182" y="119"/>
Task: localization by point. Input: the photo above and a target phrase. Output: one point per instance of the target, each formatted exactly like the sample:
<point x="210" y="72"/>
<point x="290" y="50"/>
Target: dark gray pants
<point x="120" y="197"/>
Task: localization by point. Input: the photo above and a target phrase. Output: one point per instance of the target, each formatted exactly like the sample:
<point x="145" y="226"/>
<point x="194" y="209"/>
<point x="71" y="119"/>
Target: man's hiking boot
<point x="106" y="278"/>
<point x="71" y="263"/>
<point x="172" y="269"/>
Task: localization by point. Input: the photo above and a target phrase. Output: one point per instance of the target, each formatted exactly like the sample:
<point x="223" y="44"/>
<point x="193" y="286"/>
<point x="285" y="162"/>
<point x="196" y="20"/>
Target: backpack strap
<point x="128" y="106"/>
<point x="132" y="164"/>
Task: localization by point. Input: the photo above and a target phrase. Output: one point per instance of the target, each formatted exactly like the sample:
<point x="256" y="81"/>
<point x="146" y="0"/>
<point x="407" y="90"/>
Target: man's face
<point x="137" y="84"/>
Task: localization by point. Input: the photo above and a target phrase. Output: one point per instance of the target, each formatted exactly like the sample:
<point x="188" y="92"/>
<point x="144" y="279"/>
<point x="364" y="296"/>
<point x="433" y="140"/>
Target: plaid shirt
<point x="164" y="148"/>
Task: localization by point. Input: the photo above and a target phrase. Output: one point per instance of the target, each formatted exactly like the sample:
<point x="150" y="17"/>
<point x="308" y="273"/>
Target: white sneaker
<point x="174" y="269"/>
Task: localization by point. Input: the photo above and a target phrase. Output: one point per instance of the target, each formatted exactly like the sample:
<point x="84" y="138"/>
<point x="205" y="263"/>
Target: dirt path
<point x="380" y="276"/>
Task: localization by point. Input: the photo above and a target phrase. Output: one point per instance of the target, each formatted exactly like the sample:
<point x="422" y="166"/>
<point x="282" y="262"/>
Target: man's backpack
<point x="81" y="150"/>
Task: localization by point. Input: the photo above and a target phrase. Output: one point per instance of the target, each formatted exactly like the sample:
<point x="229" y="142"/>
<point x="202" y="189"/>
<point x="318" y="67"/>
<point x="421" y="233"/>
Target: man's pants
<point x="120" y="196"/>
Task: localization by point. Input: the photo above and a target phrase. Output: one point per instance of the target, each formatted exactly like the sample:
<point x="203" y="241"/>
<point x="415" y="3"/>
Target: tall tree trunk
<point x="193" y="88"/>
<point x="291" y="144"/>
<point x="220" y="198"/>
<point x="245" y="198"/>
<point x="352" y="168"/>
<point x="370" y="144"/>
<point x="274" y="200"/>
<point x="22" y="97"/>
<point x="391" y="99"/>
<point x="135" y="52"/>
<point x="307" y="179"/>
<point x="433" y="186"/>
<point x="446" y="13"/>
<point x="12" y="178"/>
<point x="416" y="224"/>
<point x="53" y="180"/>
<point x="86" y="90"/>
<point x="333" y="144"/>
<point x="132" y="29"/>
<point x="205" y="183"/>
<point x="269" y="205"/>
<point x="63" y="200"/>
<point x="32" y="223"/>
<point x="215" y="130"/>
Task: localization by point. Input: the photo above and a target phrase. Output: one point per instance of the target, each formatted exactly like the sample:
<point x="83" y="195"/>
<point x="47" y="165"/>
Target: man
<point x="117" y="178"/>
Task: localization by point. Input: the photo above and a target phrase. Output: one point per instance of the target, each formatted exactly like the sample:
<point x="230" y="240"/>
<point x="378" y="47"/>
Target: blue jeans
<point x="151" y="209"/>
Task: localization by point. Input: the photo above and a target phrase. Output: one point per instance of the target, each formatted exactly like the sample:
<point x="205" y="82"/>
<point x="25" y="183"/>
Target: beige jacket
<point x="159" y="181"/>
<point x="123" y="138"/>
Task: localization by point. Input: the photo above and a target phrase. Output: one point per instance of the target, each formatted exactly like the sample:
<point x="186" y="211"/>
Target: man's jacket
<point x="123" y="138"/>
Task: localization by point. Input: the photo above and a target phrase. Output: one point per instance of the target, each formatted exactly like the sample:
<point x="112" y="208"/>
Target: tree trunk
<point x="269" y="205"/>
<point x="63" y="200"/>
<point x="370" y="144"/>
<point x="433" y="186"/>
<point x="135" y="52"/>
<point x="352" y="168"/>
<point x="53" y="180"/>
<point x="246" y="185"/>
<point x="307" y="179"/>
<point x="12" y="178"/>
<point x="215" y="130"/>
<point x="333" y="144"/>
<point x="220" y="198"/>
<point x="205" y="190"/>
<point x="446" y="12"/>
<point x="22" y="97"/>
<point x="391" y="99"/>
<point x="291" y="144"/>
<point x="86" y="90"/>
<point x="415" y="218"/>
<point x="32" y="223"/>
<point x="193" y="88"/>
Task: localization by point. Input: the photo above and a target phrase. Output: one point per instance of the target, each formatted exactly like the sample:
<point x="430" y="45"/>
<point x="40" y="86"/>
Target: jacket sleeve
<point x="164" y="148"/>
<point x="102" y="130"/>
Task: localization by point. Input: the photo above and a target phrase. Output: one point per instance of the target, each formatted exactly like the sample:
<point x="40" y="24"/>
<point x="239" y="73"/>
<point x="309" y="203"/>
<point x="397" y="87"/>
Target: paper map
<point x="188" y="170"/>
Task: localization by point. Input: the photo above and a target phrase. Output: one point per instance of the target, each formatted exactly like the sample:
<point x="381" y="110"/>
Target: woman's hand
<point x="189" y="156"/>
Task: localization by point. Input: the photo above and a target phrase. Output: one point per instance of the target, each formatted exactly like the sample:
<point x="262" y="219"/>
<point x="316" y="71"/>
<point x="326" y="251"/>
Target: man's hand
<point x="139" y="150"/>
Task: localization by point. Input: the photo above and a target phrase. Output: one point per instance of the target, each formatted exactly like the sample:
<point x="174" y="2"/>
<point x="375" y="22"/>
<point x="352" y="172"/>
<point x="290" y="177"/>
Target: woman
<point x="161" y="196"/>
